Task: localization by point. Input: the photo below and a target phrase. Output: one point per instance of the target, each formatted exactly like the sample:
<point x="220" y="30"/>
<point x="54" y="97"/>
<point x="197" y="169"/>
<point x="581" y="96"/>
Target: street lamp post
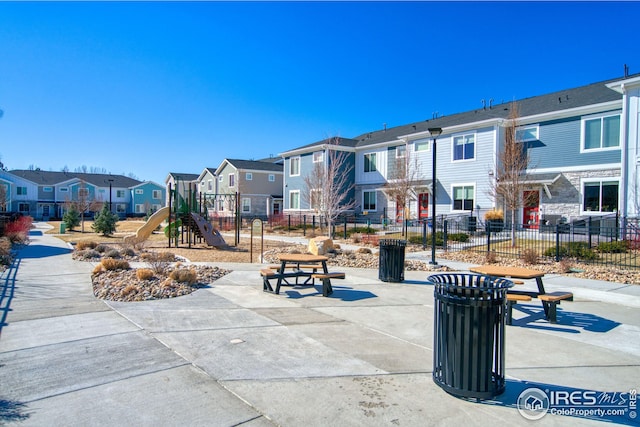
<point x="110" y="205"/>
<point x="435" y="133"/>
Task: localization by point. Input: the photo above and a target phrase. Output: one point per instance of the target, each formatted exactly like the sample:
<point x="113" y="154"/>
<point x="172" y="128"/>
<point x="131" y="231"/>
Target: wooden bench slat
<point x="267" y="272"/>
<point x="328" y="275"/>
<point x="518" y="297"/>
<point x="556" y="296"/>
<point x="296" y="267"/>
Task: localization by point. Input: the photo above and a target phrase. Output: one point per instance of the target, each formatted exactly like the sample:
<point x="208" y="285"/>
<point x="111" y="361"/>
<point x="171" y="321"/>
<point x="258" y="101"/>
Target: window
<point x="156" y="194"/>
<point x="232" y="180"/>
<point x="369" y="199"/>
<point x="210" y="185"/>
<point x="139" y="208"/>
<point x="221" y="179"/>
<point x="272" y="177"/>
<point x="401" y="151"/>
<point x="421" y="145"/>
<point x="155" y="208"/>
<point x="294" y="199"/>
<point x="316" y="200"/>
<point x="119" y="193"/>
<point x="22" y="191"/>
<point x="249" y="176"/>
<point x="64" y="189"/>
<point x="46" y="210"/>
<point x="23" y="207"/>
<point x="294" y="166"/>
<point x="83" y="192"/>
<point x="527" y="133"/>
<point x="47" y="189"/>
<point x="221" y="205"/>
<point x="464" y="147"/>
<point x="370" y="162"/>
<point x="601" y="133"/>
<point x="246" y="204"/>
<point x="121" y="208"/>
<point x="600" y="196"/>
<point x="139" y="191"/>
<point x="463" y="198"/>
<point x="318" y="156"/>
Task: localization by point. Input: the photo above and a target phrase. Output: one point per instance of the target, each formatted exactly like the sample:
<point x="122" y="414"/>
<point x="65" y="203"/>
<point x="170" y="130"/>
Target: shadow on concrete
<point x="607" y="406"/>
<point x="7" y="290"/>
<point x="12" y="411"/>
<point x="42" y="251"/>
<point x="339" y="292"/>
<point x="567" y="320"/>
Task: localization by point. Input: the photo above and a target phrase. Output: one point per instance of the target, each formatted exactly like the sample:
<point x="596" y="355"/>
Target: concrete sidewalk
<point x="232" y="355"/>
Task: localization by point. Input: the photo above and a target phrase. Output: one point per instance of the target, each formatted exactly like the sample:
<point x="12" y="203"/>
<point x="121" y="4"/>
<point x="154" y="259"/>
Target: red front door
<point x="423" y="205"/>
<point x="530" y="210"/>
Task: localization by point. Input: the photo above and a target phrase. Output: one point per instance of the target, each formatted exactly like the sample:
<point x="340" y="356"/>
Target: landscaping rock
<point x="320" y="245"/>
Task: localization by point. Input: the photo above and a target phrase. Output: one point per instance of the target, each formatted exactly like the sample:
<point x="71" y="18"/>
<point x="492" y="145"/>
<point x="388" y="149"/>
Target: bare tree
<point x="511" y="171"/>
<point x="3" y="197"/>
<point x="84" y="203"/>
<point x="329" y="184"/>
<point x="401" y="183"/>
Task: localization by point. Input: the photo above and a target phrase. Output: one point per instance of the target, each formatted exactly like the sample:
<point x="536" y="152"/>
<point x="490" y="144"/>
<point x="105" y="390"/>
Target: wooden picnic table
<point x="550" y="301"/>
<point x="301" y="265"/>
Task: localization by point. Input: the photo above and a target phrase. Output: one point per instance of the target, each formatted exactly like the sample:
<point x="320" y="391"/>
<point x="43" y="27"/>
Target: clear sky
<point x="155" y="87"/>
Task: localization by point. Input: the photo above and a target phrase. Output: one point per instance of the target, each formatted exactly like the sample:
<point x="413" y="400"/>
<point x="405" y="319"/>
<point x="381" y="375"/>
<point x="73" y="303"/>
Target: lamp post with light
<point x="435" y="133"/>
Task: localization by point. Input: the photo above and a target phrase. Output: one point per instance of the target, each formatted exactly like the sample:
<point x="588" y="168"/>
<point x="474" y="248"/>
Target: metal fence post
<point x="445" y="225"/>
<point x="557" y="243"/>
<point x="488" y="228"/>
<point x="345" y="227"/>
<point x="424" y="235"/>
<point x="304" y="225"/>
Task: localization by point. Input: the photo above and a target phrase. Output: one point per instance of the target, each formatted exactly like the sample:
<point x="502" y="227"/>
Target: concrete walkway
<point x="233" y="355"/>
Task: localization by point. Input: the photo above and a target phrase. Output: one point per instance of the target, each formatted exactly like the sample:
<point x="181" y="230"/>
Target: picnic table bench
<point x="301" y="265"/>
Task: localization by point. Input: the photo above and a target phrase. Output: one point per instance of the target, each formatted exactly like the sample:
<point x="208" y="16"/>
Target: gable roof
<point x="563" y="100"/>
<point x="41" y="177"/>
<point x="257" y="165"/>
<point x="183" y="176"/>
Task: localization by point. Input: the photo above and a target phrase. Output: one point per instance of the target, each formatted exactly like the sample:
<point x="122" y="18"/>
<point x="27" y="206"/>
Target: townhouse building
<point x="46" y="194"/>
<point x="582" y="145"/>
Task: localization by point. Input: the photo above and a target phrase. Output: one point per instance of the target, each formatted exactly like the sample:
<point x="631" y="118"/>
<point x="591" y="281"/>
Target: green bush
<point x="105" y="222"/>
<point x="71" y="218"/>
<point x="578" y="250"/>
<point x="416" y="239"/>
<point x="615" y="247"/>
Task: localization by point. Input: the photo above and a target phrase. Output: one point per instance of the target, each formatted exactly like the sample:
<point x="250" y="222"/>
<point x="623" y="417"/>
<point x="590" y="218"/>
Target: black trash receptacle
<point x="469" y="325"/>
<point x="391" y="260"/>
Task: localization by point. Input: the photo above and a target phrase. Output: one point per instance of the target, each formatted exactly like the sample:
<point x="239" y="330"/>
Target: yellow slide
<point x="152" y="223"/>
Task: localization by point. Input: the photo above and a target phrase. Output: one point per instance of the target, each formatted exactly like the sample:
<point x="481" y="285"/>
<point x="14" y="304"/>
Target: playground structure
<point x="188" y="210"/>
<point x="187" y="215"/>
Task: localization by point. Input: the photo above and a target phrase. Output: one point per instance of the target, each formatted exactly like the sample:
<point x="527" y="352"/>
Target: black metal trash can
<point x="391" y="260"/>
<point x="469" y="326"/>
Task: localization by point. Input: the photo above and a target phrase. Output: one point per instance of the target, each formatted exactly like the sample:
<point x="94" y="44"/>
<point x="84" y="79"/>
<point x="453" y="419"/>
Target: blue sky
<point x="155" y="87"/>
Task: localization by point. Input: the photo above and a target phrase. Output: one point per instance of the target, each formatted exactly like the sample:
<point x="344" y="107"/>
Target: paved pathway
<point x="231" y="354"/>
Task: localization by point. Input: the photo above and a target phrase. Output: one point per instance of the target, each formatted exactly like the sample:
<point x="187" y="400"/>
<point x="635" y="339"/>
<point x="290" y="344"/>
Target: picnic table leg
<point x="545" y="304"/>
<point x="281" y="271"/>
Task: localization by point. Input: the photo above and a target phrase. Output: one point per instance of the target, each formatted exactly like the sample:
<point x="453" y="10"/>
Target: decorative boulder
<point x="320" y="245"/>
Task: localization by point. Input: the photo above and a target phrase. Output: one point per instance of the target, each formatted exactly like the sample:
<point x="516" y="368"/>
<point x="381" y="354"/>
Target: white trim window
<point x="221" y="179"/>
<point x="421" y="144"/>
<point x="600" y="195"/>
<point x="209" y="184"/>
<point x="600" y="133"/>
<point x="527" y="133"/>
<point x="294" y="166"/>
<point x="294" y="199"/>
<point x="464" y="147"/>
<point x="370" y="163"/>
<point x="463" y="197"/>
<point x="139" y="191"/>
<point x="21" y="191"/>
<point x="248" y="176"/>
<point x="139" y="208"/>
<point x="157" y="194"/>
<point x="369" y="201"/>
<point x="316" y="199"/>
<point x="401" y="151"/>
<point x="47" y="189"/>
<point x="64" y="189"/>
<point x="121" y="208"/>
<point x="272" y="177"/>
<point x="318" y="156"/>
<point x="232" y="180"/>
<point x="83" y="192"/>
<point x="120" y="193"/>
<point x="246" y="205"/>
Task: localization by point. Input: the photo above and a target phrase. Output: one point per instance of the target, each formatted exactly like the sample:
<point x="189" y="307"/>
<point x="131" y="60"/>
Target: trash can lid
<point x="470" y="280"/>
